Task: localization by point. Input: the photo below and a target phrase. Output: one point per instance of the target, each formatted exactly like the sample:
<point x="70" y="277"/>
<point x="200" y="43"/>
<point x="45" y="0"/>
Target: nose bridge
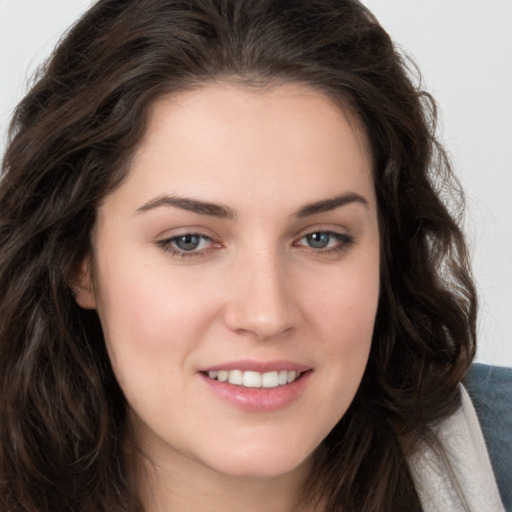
<point x="261" y="301"/>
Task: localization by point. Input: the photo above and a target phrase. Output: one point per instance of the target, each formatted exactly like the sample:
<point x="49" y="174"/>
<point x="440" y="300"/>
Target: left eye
<point x="326" y="240"/>
<point x="186" y="243"/>
<point x="318" y="240"/>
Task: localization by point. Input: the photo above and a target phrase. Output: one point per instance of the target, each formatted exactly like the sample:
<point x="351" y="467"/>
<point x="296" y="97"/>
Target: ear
<point x="82" y="284"/>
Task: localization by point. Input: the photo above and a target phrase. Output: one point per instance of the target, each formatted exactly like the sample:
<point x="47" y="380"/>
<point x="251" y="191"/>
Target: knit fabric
<point x="490" y="389"/>
<point x="469" y="483"/>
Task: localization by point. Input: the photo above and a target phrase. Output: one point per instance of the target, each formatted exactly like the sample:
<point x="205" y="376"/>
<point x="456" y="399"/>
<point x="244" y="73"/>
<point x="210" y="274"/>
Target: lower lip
<point x="259" y="399"/>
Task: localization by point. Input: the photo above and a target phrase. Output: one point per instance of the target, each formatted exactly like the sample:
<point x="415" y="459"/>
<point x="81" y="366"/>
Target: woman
<point x="228" y="281"/>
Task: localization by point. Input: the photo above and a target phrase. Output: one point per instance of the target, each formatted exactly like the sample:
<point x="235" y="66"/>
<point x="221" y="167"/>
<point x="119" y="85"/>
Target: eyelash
<point x="344" y="241"/>
<point x="168" y="245"/>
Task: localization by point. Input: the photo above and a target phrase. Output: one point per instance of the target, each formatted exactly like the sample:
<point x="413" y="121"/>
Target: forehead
<point x="233" y="140"/>
<point x="224" y="104"/>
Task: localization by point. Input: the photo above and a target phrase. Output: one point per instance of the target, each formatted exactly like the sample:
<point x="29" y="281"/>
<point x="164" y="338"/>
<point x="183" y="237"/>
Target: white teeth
<point x="235" y="377"/>
<point x="269" y="380"/>
<point x="223" y="376"/>
<point x="292" y="375"/>
<point x="250" y="379"/>
<point x="283" y="377"/>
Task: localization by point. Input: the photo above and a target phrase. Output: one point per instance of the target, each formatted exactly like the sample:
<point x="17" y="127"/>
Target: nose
<point x="262" y="301"/>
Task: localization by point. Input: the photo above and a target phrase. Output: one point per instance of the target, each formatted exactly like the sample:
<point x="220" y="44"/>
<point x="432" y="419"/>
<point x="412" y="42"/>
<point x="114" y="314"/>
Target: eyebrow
<point x="224" y="212"/>
<point x="191" y="205"/>
<point x="331" y="204"/>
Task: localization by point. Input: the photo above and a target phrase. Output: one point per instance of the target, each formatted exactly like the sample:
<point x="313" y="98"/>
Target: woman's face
<point x="243" y="245"/>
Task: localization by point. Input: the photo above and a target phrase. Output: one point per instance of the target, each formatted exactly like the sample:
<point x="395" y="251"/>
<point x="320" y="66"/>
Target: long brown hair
<point x="62" y="418"/>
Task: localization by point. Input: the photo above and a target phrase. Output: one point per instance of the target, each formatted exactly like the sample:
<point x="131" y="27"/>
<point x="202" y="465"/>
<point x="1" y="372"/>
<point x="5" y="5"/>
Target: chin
<point x="257" y="462"/>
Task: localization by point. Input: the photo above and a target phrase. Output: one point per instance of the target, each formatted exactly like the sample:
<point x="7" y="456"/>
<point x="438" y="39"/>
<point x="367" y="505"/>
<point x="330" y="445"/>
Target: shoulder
<point x="490" y="389"/>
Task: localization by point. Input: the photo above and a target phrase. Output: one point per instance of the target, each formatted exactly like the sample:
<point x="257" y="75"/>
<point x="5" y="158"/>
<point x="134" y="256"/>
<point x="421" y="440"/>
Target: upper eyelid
<point x="324" y="231"/>
<point x="298" y="235"/>
<point x="168" y="245"/>
<point x="186" y="233"/>
<point x="169" y="234"/>
<point x="340" y="237"/>
<point x="335" y="230"/>
<point x="165" y="238"/>
<point x="170" y="239"/>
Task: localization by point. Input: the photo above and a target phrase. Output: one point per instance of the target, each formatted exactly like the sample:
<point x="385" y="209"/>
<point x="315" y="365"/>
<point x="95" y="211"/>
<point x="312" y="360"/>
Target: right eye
<point x="187" y="244"/>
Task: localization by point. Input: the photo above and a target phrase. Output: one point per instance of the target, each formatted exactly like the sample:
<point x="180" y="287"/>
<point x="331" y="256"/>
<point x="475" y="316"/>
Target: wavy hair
<point x="62" y="419"/>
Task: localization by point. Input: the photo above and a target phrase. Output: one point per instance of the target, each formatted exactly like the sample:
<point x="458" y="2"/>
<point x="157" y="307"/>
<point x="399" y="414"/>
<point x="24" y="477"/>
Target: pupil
<point x="187" y="242"/>
<point x="318" y="240"/>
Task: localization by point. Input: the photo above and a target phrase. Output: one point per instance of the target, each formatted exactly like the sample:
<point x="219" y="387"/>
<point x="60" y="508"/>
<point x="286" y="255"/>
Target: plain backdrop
<point x="464" y="51"/>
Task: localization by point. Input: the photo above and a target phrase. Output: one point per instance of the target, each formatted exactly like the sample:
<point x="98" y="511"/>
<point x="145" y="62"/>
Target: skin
<point x="253" y="289"/>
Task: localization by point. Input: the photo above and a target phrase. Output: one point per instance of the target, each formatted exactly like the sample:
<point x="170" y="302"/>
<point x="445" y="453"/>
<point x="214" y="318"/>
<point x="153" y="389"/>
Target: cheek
<point x="151" y="321"/>
<point x="344" y="317"/>
<point x="343" y="329"/>
<point x="346" y="307"/>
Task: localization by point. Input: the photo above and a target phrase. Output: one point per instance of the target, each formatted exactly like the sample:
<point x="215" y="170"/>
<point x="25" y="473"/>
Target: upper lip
<point x="258" y="366"/>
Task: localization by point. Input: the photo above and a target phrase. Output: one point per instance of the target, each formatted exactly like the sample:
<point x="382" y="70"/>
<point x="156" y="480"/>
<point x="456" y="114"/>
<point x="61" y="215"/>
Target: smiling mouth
<point x="252" y="379"/>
